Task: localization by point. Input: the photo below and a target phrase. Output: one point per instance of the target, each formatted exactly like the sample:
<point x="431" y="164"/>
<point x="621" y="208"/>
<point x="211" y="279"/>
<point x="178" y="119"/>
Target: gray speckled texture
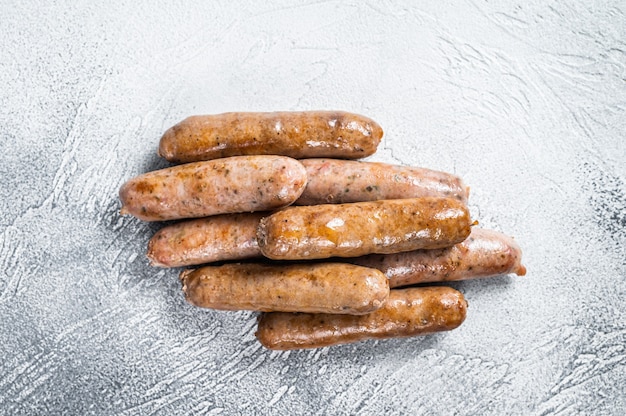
<point x="525" y="100"/>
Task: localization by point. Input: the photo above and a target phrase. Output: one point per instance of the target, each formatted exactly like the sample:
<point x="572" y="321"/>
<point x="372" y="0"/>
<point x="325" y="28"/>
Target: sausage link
<point x="406" y="313"/>
<point x="484" y="253"/>
<point x="205" y="240"/>
<point x="323" y="287"/>
<point x="201" y="189"/>
<point x="332" y="181"/>
<point x="357" y="229"/>
<point x="296" y="134"/>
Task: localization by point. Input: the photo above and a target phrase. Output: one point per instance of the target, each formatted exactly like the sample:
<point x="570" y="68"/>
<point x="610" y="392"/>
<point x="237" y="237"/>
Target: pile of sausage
<point x="329" y="249"/>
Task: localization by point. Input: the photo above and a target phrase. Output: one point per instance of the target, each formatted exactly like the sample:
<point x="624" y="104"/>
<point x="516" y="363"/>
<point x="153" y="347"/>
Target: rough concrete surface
<point x="526" y="100"/>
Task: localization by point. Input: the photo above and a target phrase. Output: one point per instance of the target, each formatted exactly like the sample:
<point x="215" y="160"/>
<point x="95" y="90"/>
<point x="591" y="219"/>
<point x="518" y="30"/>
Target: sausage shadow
<point x="155" y="162"/>
<point x="406" y="349"/>
<point x="490" y="285"/>
<point x="396" y="351"/>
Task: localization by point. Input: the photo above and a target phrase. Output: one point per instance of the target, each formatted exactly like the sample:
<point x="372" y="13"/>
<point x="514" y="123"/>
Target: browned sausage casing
<point x="205" y="240"/>
<point x="229" y="185"/>
<point x="484" y="253"/>
<point x="296" y="134"/>
<point x="406" y="313"/>
<point x="323" y="287"/>
<point x="352" y="230"/>
<point x="332" y="181"/>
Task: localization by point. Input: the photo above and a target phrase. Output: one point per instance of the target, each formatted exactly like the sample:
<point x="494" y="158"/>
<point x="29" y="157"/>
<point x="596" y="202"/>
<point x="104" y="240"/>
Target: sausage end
<point x="377" y="132"/>
<point x="261" y="233"/>
<point x="168" y="143"/>
<point x="275" y="333"/>
<point x="183" y="278"/>
<point x="153" y="256"/>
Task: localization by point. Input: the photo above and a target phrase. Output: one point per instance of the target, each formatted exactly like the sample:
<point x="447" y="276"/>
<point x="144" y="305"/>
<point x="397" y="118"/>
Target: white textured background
<point x="525" y="100"/>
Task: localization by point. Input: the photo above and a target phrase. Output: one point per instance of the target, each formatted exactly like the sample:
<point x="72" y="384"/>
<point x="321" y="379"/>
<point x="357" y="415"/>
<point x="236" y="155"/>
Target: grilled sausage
<point x="229" y="185"/>
<point x="406" y="313"/>
<point x="352" y="230"/>
<point x="205" y="240"/>
<point x="332" y="181"/>
<point x="484" y="253"/>
<point x="323" y="287"/>
<point x="296" y="134"/>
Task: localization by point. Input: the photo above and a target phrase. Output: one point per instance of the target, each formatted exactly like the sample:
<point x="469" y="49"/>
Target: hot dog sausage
<point x="352" y="230"/>
<point x="229" y="185"/>
<point x="406" y="313"/>
<point x="332" y="181"/>
<point x="323" y="287"/>
<point x="296" y="134"/>
<point x="484" y="253"/>
<point x="205" y="240"/>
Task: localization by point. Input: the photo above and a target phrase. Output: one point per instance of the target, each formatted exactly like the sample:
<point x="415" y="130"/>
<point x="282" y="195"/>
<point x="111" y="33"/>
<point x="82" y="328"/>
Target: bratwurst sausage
<point x="406" y="313"/>
<point x="229" y="185"/>
<point x="332" y="181"/>
<point x="484" y="253"/>
<point x="296" y="134"/>
<point x="352" y="230"/>
<point x="323" y="287"/>
<point x="205" y="240"/>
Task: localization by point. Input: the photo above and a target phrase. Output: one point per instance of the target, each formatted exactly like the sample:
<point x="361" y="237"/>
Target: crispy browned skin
<point x="323" y="287"/>
<point x="332" y="181"/>
<point x="406" y="313"/>
<point x="216" y="238"/>
<point x="296" y="134"/>
<point x="352" y="230"/>
<point x="484" y="253"/>
<point x="229" y="185"/>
